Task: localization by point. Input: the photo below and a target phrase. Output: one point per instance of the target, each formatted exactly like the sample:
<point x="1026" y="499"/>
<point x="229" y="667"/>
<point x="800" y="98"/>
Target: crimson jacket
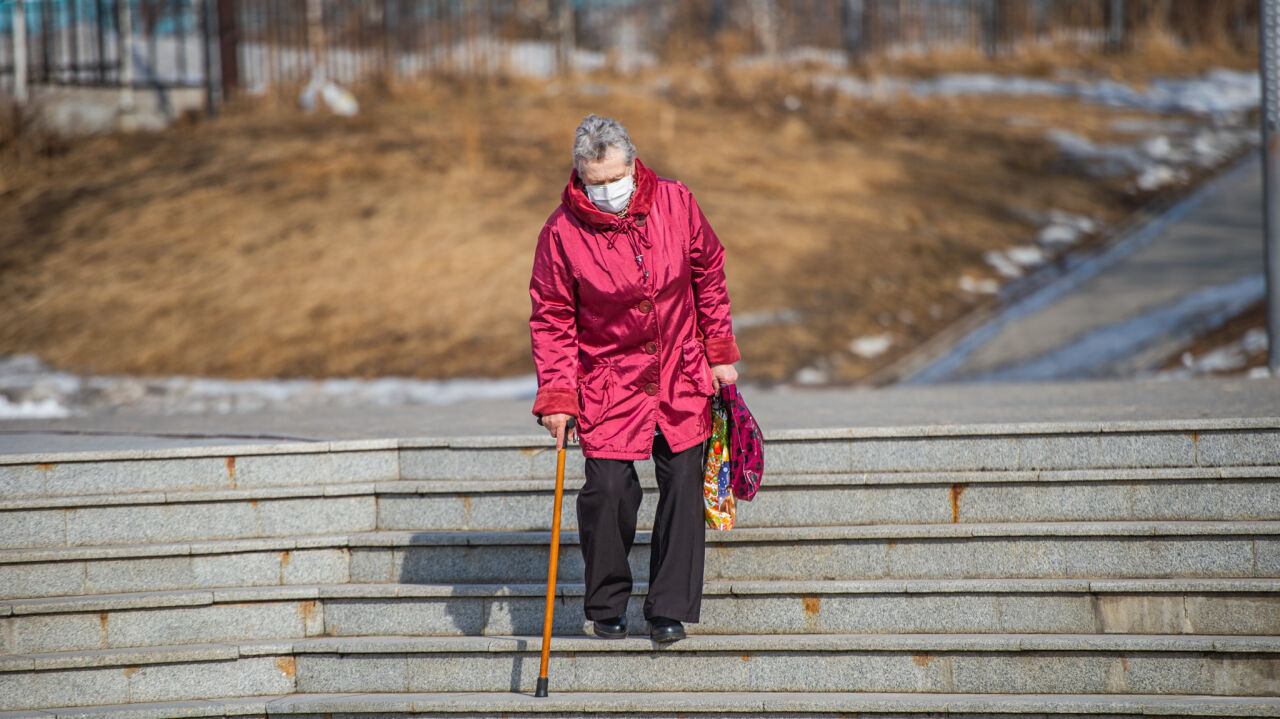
<point x="628" y="316"/>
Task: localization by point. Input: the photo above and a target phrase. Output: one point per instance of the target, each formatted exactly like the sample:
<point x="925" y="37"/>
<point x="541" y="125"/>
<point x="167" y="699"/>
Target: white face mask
<point x="612" y="197"/>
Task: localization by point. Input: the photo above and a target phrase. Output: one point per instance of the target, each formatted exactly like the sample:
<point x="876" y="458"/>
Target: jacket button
<point x="651" y="389"/>
<point x="645" y="307"/>
<point x="651" y="347"/>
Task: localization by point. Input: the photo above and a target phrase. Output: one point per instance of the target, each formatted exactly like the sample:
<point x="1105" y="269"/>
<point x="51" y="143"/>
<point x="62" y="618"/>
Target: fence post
<point x="989" y="28"/>
<point x="125" y="49"/>
<point x="212" y="96"/>
<point x="765" y="20"/>
<point x="1269" y="46"/>
<point x="228" y="43"/>
<point x="315" y="38"/>
<point x="1115" y="35"/>
<point x="389" y="51"/>
<point x="20" y="50"/>
<point x="716" y="18"/>
<point x="851" y="12"/>
<point x="564" y="25"/>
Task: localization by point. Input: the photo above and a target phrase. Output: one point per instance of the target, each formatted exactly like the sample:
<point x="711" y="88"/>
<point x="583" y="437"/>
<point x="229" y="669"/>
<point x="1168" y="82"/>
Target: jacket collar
<point x="575" y="200"/>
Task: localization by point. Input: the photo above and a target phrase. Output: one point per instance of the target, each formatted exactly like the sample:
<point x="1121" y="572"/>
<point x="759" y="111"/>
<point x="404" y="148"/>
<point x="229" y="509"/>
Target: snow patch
<point x="1158" y="176"/>
<point x="1155" y="161"/>
<point x="1218" y="93"/>
<point x="1255" y="341"/>
<point x="767" y="317"/>
<point x="1026" y="255"/>
<point x="1157" y="147"/>
<point x="1211" y="147"/>
<point x="810" y="375"/>
<point x="969" y="283"/>
<point x="1147" y="127"/>
<point x="1230" y="357"/>
<point x="1060" y="230"/>
<point x="339" y="100"/>
<point x="1002" y="264"/>
<point x="803" y="55"/>
<point x="1099" y="160"/>
<point x="871" y="346"/>
<point x="29" y="388"/>
<point x="1080" y="222"/>
<point x="1058" y="236"/>
<point x="31" y="409"/>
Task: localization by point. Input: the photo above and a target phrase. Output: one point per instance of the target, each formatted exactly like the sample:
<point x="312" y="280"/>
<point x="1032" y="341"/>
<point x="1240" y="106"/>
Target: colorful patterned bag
<point x="717" y="496"/>
<point x="735" y="458"/>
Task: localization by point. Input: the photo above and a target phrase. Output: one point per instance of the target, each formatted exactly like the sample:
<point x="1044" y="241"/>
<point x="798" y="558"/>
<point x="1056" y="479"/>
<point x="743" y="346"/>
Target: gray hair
<point x="594" y="138"/>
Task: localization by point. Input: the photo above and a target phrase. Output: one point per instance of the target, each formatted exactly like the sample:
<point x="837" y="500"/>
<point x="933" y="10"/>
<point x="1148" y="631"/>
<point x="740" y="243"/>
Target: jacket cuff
<point x="555" y="400"/>
<point x="722" y="350"/>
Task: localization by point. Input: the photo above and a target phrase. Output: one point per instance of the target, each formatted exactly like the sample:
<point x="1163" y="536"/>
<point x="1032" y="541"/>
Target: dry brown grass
<point x="399" y="242"/>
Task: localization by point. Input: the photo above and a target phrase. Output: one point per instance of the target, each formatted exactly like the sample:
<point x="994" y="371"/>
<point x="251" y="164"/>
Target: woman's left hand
<point x="722" y="374"/>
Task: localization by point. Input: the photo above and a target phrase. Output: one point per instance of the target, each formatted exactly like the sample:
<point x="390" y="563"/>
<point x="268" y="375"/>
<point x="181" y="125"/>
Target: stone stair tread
<point x="484" y="486"/>
<point x="301" y="446"/>
<point x="384" y="590"/>
<point x="162" y="549"/>
<point x="193" y="496"/>
<point x="957" y="429"/>
<point x="398" y="538"/>
<point x="807" y="642"/>
<point x="1103" y="528"/>
<point x="404" y="644"/>
<point x="860" y="477"/>
<point x="697" y="703"/>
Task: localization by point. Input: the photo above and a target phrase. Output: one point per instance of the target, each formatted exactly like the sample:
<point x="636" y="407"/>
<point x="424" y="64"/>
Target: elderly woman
<point x="631" y="336"/>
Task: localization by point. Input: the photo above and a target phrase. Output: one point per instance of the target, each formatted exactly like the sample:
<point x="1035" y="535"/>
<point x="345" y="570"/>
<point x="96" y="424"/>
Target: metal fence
<point x="257" y="45"/>
<point x="80" y="42"/>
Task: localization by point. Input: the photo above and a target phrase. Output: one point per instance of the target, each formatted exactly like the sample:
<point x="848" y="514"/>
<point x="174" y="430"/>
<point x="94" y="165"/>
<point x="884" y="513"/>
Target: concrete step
<point x="798" y="705"/>
<point x="925" y="663"/>
<point x="284" y="464"/>
<point x="993" y="550"/>
<point x="1235" y="493"/>
<point x="1103" y="550"/>
<point x="195" y="515"/>
<point x="1028" y="447"/>
<point x="1075" y="606"/>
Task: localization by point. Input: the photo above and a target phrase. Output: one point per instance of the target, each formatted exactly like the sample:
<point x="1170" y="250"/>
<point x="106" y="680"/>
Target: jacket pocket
<point x="595" y="393"/>
<point x="696" y="368"/>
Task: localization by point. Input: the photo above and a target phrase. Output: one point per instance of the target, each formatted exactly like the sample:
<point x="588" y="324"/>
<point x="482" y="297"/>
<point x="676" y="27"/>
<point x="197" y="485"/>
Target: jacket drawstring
<point x="634" y="235"/>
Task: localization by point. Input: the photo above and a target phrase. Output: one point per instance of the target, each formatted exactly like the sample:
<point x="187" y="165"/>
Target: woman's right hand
<point x="555" y="423"/>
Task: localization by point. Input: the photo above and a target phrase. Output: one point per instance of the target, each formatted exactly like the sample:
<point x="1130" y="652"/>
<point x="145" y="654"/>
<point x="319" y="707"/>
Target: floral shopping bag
<point x="717" y="495"/>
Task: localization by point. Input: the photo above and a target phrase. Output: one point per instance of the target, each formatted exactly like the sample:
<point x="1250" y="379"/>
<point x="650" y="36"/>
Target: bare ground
<point x="269" y="243"/>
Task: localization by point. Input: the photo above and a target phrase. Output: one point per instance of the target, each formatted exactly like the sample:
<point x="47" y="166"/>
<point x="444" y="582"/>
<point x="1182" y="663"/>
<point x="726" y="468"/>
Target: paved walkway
<point x="1197" y="264"/>
<point x="775" y="409"/>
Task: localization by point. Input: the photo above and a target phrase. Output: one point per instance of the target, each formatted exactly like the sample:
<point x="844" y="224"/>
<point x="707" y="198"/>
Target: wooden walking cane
<point x="555" y="556"/>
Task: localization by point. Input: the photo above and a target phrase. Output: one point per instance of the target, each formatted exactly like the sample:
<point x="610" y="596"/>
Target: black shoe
<point x="663" y="630"/>
<point x="615" y="628"/>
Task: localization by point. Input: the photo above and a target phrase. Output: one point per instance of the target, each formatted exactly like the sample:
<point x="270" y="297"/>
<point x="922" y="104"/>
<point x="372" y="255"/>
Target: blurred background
<point x="229" y="205"/>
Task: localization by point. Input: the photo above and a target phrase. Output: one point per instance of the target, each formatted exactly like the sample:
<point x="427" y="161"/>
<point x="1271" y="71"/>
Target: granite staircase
<point x="1115" y="569"/>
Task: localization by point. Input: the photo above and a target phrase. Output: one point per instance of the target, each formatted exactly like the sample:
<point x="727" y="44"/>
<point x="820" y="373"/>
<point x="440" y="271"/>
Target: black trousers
<point x="607" y="508"/>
